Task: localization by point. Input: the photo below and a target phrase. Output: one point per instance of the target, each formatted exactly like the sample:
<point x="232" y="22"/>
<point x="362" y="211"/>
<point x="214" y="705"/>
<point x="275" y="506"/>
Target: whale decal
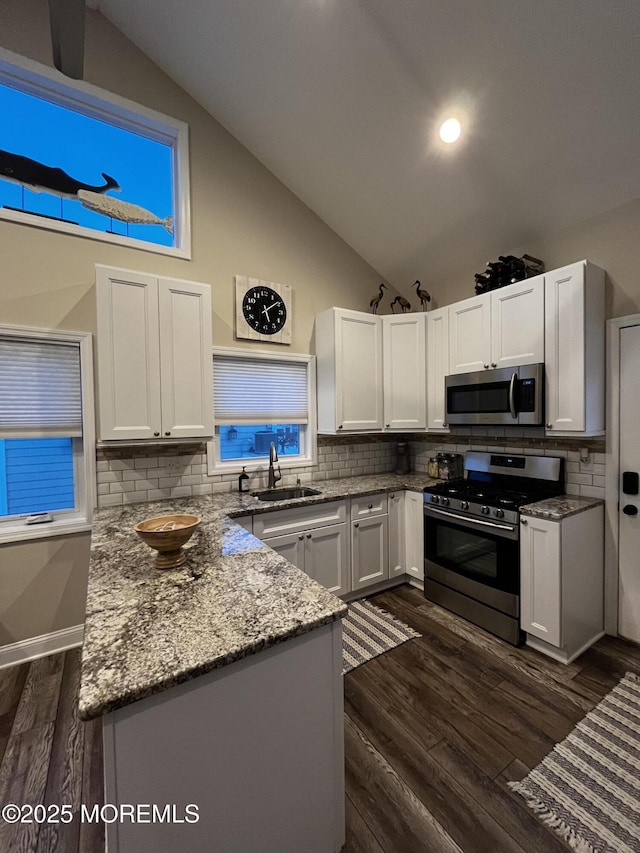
<point x="41" y="178"/>
<point x="122" y="210"/>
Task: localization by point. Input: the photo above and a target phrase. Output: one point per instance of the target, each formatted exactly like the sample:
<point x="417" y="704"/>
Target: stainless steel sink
<point x="285" y="494"/>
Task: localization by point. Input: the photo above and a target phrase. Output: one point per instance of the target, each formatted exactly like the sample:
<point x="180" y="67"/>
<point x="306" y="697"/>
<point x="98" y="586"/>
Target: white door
<point x="629" y="524"/>
<point x="327" y="557"/>
<point x="186" y="365"/>
<point x="437" y="366"/>
<point x="517" y="323"/>
<point x="405" y="366"/>
<point x="358" y="371"/>
<point x="369" y="551"/>
<point x="128" y="354"/>
<point x="470" y="334"/>
<point x="414" y="534"/>
<point x="541" y="591"/>
<point x="396" y="534"/>
<point x="290" y="546"/>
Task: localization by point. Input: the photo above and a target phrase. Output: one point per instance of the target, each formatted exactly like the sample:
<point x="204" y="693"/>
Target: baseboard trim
<point x="38" y="647"/>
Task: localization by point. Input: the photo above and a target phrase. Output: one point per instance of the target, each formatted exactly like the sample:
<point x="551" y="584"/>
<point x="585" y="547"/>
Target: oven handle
<point x="469" y="521"/>
<point x="512" y="398"/>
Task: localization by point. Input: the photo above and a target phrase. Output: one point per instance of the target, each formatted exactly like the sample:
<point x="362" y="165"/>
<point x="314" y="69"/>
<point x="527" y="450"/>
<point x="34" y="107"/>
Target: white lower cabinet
<point x="414" y="534"/>
<point x="562" y="582"/>
<point x="322" y="553"/>
<point x="397" y="538"/>
<point x="369" y="551"/>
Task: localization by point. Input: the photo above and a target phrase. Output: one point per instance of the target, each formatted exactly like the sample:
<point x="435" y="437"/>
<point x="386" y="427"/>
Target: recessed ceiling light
<point x="450" y="130"/>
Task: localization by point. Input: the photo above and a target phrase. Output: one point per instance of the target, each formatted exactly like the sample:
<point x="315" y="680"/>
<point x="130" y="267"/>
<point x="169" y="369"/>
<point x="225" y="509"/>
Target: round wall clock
<point x="263" y="310"/>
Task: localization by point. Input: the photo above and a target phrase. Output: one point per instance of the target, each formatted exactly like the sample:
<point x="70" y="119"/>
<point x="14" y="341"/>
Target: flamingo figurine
<point x="423" y="295"/>
<point x="376" y="300"/>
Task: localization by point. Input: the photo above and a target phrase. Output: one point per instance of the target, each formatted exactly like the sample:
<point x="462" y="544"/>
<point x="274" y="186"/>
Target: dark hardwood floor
<point x="433" y="732"/>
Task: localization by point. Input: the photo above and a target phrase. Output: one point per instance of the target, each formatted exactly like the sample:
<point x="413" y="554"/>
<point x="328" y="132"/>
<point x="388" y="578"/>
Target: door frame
<point x="611" y="537"/>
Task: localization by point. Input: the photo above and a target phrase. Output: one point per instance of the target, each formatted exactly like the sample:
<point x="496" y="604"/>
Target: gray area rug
<point x="588" y="788"/>
<point x="368" y="631"/>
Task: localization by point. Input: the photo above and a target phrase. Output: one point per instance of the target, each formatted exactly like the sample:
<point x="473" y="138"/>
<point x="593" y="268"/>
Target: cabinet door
<point x="369" y="551"/>
<point x="128" y="354"/>
<point x="470" y="334"/>
<point x="517" y="323"/>
<point x="565" y="348"/>
<point x="397" y="561"/>
<point x="437" y="366"/>
<point x="405" y="364"/>
<point x="186" y="365"/>
<point x="290" y="546"/>
<point x="540" y="577"/>
<point x="358" y="371"/>
<point x="414" y="534"/>
<point x="327" y="557"/>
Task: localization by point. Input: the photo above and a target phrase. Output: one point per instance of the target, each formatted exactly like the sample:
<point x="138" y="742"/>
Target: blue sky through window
<point x="84" y="147"/>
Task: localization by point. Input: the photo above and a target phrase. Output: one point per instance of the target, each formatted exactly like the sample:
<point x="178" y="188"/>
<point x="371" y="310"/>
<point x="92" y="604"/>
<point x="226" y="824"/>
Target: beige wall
<point x="243" y="222"/>
<point x="610" y="240"/>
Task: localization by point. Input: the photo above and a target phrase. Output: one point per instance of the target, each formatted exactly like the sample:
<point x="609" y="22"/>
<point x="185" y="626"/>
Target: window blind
<point x="40" y="389"/>
<point x="251" y="390"/>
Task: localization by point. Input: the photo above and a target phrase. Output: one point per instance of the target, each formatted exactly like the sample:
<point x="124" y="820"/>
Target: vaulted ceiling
<point x="342" y="100"/>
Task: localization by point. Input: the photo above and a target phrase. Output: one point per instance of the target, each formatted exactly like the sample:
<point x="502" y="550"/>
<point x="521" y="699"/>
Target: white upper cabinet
<point x="154" y="357"/>
<point x="504" y="328"/>
<point x="437" y="366"/>
<point x="405" y="366"/>
<point x="349" y="371"/>
<point x="574" y="347"/>
<point x="470" y="334"/>
<point x="517" y="323"/>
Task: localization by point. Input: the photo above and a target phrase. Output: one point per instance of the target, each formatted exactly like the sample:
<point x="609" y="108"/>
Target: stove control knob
<point x="444" y="501"/>
<point x="435" y="499"/>
<point x="499" y="513"/>
<point x="464" y="504"/>
<point x="484" y="510"/>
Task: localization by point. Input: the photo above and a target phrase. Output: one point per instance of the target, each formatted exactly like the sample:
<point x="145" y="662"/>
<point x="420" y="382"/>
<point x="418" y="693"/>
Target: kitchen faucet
<point x="273" y="477"/>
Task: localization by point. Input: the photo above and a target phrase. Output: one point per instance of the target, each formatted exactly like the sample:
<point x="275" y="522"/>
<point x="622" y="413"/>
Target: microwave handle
<point x="512" y="395"/>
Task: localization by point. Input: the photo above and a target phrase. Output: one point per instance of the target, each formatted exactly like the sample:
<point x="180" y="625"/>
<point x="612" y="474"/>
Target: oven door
<point x="479" y="558"/>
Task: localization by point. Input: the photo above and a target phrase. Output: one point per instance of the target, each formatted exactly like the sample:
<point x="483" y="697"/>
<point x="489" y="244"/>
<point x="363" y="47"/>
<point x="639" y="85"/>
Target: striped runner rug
<point x="368" y="631"/>
<point x="588" y="788"/>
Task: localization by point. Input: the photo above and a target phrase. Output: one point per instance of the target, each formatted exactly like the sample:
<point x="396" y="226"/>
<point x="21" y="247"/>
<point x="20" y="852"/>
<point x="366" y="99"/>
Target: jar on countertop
<point x="450" y="466"/>
<point x="433" y="467"/>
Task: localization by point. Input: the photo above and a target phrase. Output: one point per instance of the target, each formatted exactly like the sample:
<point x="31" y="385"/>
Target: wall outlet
<point x="173" y="467"/>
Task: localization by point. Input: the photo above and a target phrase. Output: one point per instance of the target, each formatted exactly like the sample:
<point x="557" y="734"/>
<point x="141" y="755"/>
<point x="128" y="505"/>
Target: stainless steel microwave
<point x="507" y="396"/>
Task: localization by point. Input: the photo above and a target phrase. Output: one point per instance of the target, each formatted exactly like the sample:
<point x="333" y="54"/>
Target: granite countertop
<point x="561" y="507"/>
<point x="148" y="630"/>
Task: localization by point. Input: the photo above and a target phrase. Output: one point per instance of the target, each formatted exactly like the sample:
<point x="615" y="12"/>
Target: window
<point x="82" y="161"/>
<point x="46" y="432"/>
<point x="260" y="399"/>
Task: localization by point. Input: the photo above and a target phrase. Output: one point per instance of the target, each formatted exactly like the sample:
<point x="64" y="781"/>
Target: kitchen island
<point x="220" y="687"/>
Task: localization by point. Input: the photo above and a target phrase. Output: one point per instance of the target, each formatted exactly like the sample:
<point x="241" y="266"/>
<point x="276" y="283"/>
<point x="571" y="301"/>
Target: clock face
<point x="264" y="310"/>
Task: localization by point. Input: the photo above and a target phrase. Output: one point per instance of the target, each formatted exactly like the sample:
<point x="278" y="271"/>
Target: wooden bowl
<point x="167" y="534"/>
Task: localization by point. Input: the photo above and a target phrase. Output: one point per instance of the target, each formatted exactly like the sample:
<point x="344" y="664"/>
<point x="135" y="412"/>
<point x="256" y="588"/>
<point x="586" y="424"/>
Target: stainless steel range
<point x="472" y="536"/>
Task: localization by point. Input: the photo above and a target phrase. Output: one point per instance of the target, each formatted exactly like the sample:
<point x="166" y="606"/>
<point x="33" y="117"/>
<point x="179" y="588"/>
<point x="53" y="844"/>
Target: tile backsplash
<point x="135" y="474"/>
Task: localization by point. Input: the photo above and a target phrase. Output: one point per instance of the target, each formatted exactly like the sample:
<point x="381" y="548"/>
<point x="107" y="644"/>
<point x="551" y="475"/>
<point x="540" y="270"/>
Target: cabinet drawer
<point x="368" y="505"/>
<point x="300" y="518"/>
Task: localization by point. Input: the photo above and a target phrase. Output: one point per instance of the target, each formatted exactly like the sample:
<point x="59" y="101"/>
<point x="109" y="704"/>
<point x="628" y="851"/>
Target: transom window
<point x="46" y="432"/>
<point x="75" y="159"/>
<point x="262" y="399"/>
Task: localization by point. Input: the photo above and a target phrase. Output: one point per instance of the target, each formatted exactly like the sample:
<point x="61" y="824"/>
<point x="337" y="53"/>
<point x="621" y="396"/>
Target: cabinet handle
<point x="549" y="426"/>
<point x="523" y="521"/>
<point x="387" y="425"/>
<point x="340" y="427"/>
<point x="156" y="434"/>
<point x="443" y="424"/>
<point x="356" y="524"/>
<point x="308" y="536"/>
<point x="486" y="366"/>
<point x="370" y="506"/>
<point x="167" y="433"/>
<point x="493" y="364"/>
<point x="300" y="537"/>
<point x="392" y="496"/>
